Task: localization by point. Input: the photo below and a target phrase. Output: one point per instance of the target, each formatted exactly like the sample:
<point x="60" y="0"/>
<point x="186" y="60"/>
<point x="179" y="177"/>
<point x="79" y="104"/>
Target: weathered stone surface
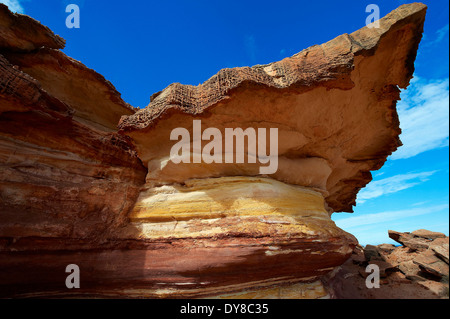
<point x="399" y="237"/>
<point x="417" y="243"/>
<point x="400" y="255"/>
<point x="93" y="100"/>
<point x="421" y="259"/>
<point x="73" y="190"/>
<point x="349" y="282"/>
<point x="412" y="240"/>
<point x="428" y="262"/>
<point x="440" y="247"/>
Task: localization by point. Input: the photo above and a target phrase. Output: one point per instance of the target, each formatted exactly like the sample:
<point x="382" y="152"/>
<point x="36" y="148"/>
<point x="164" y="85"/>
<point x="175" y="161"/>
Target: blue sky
<point x="143" y="46"/>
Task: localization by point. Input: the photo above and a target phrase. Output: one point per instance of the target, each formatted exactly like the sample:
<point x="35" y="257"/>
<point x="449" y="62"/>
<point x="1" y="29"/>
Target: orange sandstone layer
<point x="63" y="178"/>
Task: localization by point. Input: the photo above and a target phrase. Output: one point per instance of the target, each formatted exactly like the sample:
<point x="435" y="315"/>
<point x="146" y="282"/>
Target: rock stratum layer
<point x="77" y="189"/>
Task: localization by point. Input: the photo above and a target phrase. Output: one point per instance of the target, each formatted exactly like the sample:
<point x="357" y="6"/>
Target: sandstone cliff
<point x="77" y="189"/>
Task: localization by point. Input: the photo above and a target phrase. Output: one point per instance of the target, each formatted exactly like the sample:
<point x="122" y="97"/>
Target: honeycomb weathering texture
<point x="77" y="189"/>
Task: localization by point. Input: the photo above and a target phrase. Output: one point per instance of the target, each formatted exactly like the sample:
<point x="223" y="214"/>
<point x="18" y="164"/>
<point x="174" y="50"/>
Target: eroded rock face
<point x="67" y="180"/>
<point x="78" y="192"/>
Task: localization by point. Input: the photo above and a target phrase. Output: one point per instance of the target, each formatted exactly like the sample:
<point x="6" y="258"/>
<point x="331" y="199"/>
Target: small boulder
<point x="436" y="287"/>
<point x="401" y="254"/>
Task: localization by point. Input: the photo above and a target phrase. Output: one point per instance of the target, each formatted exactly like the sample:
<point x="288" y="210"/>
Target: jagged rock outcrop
<point x="74" y="190"/>
<point x="407" y="272"/>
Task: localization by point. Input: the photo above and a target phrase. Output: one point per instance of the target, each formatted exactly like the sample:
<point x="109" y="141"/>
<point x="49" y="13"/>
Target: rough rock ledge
<point x="75" y="189"/>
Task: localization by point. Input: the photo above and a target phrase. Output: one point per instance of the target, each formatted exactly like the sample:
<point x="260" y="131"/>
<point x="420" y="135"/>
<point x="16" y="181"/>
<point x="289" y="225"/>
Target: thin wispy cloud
<point x="388" y="216"/>
<point x="424" y="117"/>
<point x="435" y="38"/>
<point x="13" y="5"/>
<point x="392" y="184"/>
<point x="419" y="203"/>
<point x="441" y="33"/>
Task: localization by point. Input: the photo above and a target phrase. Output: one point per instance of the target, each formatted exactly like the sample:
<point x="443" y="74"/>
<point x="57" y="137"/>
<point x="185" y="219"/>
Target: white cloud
<point x="389" y="216"/>
<point x="419" y="203"/>
<point x="428" y="41"/>
<point x="424" y="117"/>
<point x="392" y="184"/>
<point x="13" y="5"/>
